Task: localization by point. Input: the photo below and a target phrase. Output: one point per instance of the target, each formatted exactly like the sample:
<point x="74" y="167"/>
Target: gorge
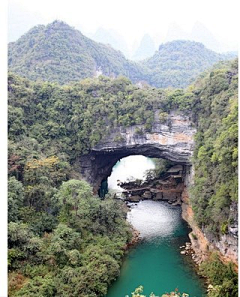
<point x="172" y="140"/>
<point x="64" y="142"/>
<point x="155" y="260"/>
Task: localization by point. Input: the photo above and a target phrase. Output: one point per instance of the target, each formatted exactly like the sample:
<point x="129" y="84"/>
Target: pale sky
<point x="131" y="18"/>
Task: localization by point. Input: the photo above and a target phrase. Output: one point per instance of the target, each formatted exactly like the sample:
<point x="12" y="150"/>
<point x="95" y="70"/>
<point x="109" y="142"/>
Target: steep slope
<point x="59" y="53"/>
<point x="50" y="126"/>
<point x="215" y="192"/>
<point x="178" y="63"/>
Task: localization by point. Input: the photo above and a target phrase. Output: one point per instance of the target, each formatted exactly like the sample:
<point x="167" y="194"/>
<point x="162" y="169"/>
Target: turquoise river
<point x="155" y="262"/>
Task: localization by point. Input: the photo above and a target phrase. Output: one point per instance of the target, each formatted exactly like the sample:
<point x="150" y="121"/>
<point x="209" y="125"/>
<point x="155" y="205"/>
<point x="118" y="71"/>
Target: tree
<point x="72" y="192"/>
<point x="15" y="199"/>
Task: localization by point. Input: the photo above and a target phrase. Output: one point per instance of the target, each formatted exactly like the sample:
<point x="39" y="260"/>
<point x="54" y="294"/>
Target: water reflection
<point x="156" y="262"/>
<point x="154" y="219"/>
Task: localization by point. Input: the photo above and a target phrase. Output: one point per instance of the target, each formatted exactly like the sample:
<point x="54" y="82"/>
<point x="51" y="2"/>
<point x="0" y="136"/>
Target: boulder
<point x="147" y="195"/>
<point x="134" y="198"/>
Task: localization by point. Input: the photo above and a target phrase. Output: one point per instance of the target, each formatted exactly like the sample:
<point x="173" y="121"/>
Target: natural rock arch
<point x="172" y="140"/>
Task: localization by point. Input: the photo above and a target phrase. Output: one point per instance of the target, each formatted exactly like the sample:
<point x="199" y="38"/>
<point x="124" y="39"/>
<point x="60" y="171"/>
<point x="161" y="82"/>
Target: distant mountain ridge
<point x="111" y="37"/>
<point x="178" y="63"/>
<point x="146" y="48"/>
<point x="60" y="53"/>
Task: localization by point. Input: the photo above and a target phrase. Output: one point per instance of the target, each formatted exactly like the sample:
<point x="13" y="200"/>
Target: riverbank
<point x="199" y="242"/>
<point x="155" y="261"/>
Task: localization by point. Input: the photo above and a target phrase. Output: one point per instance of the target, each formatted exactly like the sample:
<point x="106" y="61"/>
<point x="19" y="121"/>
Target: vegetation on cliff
<point x="72" y="119"/>
<point x="216" y="152"/>
<point x="64" y="241"/>
<point x="222" y="277"/>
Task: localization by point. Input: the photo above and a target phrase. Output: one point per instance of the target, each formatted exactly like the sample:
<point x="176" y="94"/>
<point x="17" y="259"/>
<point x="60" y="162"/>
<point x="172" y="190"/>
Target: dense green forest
<point x="59" y="53"/>
<point x="64" y="241"/>
<point x="216" y="153"/>
<point x="178" y="63"/>
<point x="70" y="119"/>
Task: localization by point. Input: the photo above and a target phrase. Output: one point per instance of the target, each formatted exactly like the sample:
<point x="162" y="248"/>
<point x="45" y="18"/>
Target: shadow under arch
<point x="173" y="141"/>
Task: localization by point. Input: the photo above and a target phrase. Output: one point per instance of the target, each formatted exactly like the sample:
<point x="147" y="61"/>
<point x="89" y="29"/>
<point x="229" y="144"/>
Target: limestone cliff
<point x="172" y="140"/>
<point x="204" y="242"/>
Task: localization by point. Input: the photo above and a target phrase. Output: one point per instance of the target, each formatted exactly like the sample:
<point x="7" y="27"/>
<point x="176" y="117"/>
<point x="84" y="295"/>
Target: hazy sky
<point x="131" y="18"/>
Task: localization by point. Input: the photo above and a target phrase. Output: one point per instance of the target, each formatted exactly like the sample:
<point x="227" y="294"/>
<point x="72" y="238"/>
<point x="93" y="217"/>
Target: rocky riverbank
<point x="168" y="187"/>
<point x="173" y="187"/>
<point x="135" y="238"/>
<point x="200" y="242"/>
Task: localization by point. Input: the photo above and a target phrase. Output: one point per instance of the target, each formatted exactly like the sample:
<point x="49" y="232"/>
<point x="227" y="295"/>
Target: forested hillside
<point x="64" y="241"/>
<point x="216" y="154"/>
<point x="59" y="53"/>
<point x="178" y="63"/>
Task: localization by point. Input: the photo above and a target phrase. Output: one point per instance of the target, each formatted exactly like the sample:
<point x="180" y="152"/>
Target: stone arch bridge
<point x="172" y="140"/>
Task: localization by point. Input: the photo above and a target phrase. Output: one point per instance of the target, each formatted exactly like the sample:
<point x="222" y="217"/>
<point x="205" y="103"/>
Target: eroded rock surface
<point x="172" y="140"/>
<point x="167" y="187"/>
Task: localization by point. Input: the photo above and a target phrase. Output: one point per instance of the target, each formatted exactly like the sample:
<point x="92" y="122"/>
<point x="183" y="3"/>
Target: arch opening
<point x="138" y="177"/>
<point x="131" y="168"/>
<point x="97" y="165"/>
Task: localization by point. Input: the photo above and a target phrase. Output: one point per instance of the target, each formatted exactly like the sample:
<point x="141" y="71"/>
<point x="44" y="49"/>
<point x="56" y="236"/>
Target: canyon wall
<point x="172" y="140"/>
<point x="204" y="242"/>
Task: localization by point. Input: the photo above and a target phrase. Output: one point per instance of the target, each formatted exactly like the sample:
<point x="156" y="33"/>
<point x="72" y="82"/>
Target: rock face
<point x="172" y="140"/>
<point x="204" y="242"/>
<point x="167" y="187"/>
<point x="227" y="244"/>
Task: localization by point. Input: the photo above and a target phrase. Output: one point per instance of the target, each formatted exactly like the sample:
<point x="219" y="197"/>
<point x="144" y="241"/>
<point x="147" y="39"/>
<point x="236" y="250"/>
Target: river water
<point x="156" y="262"/>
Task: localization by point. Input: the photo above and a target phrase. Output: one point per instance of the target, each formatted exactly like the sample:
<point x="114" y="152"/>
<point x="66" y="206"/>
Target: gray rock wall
<point x="172" y="140"/>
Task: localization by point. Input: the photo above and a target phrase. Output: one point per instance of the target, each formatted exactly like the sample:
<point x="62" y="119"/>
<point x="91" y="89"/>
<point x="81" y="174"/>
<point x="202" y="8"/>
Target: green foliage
<point x="79" y="256"/>
<point x="15" y="198"/>
<point x="59" y="53"/>
<point x="18" y="234"/>
<point x="72" y="193"/>
<point x="161" y="166"/>
<point x="223" y="277"/>
<point x="119" y="138"/>
<point x="64" y="241"/>
<point x="180" y="100"/>
<point x="163" y="116"/>
<point x="70" y="119"/>
<point x="178" y="63"/>
<point x="194" y="236"/>
<point x="215" y="155"/>
<point x="138" y="293"/>
<point x="38" y="287"/>
<point x="57" y="227"/>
